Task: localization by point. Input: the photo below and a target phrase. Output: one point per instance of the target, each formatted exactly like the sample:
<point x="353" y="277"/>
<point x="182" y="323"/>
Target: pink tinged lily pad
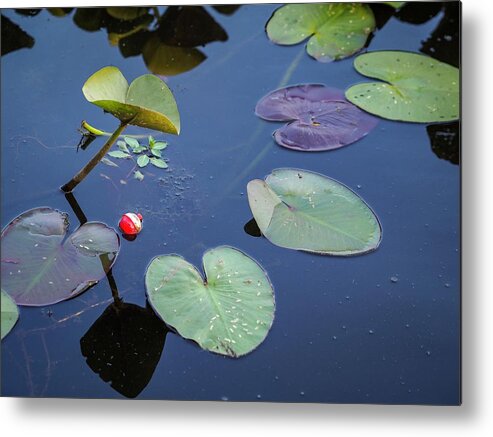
<point x="320" y="117"/>
<point x="42" y="265"/>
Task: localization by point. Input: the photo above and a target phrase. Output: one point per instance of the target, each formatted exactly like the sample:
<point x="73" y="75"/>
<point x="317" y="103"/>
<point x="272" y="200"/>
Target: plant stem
<point x="79" y="177"/>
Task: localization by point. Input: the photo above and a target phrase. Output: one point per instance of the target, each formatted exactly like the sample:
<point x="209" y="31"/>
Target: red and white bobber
<point x="130" y="223"/>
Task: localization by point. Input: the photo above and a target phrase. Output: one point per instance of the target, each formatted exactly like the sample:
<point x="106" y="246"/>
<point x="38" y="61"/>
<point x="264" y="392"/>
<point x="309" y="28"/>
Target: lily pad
<point x="9" y="314"/>
<point x="42" y="265"/>
<point x="336" y="30"/>
<point x="323" y="119"/>
<point x="230" y="313"/>
<point x="299" y="209"/>
<point x="147" y="102"/>
<point x="417" y="88"/>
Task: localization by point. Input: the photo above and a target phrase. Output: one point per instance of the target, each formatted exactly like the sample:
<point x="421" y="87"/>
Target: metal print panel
<point x="232" y="202"/>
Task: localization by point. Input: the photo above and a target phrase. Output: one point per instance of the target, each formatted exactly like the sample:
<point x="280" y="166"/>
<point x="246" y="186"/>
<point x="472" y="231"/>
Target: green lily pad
<point x="147" y="102"/>
<point x="336" y="30"/>
<point x="230" y="313"/>
<point x="417" y="88"/>
<point x="42" y="265"/>
<point x="9" y="314"/>
<point x="299" y="209"/>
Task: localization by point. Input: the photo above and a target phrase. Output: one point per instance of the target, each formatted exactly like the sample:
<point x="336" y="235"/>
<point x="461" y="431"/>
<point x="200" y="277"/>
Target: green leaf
<point x="123" y="146"/>
<point x="138" y="175"/>
<point x="9" y="314"/>
<point x="151" y="141"/>
<point x="336" y="30"/>
<point x="417" y="88"/>
<point x="139" y="149"/>
<point x="160" y="145"/>
<point x="161" y="163"/>
<point x="118" y="154"/>
<point x="142" y="160"/>
<point x="108" y="162"/>
<point x="132" y="142"/>
<point x="156" y="153"/>
<point x="302" y="210"/>
<point x="230" y="313"/>
<point x="147" y="102"/>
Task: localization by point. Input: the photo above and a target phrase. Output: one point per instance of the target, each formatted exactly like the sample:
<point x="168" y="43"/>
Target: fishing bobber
<point x="130" y="223"/>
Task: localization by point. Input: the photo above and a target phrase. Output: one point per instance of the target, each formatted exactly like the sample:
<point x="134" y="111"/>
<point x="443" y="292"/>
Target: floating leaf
<point x="142" y="160"/>
<point x="123" y="146"/>
<point x="147" y="102"/>
<point x="119" y="154"/>
<point x="138" y="175"/>
<point x="323" y="119"/>
<point x="132" y="142"/>
<point x="161" y="163"/>
<point x="108" y="162"/>
<point x="156" y="153"/>
<point x="395" y="5"/>
<point x="419" y="89"/>
<point x="41" y="265"/>
<point x="302" y="210"/>
<point x="9" y="314"/>
<point x="159" y="145"/>
<point x="336" y="30"/>
<point x="230" y="313"/>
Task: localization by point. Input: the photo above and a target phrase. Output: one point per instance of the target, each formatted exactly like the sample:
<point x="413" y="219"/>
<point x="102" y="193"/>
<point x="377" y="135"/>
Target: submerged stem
<point x="79" y="177"/>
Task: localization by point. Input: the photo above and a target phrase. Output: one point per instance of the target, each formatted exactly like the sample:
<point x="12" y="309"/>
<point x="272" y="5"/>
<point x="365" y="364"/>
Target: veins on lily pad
<point x="320" y="117"/>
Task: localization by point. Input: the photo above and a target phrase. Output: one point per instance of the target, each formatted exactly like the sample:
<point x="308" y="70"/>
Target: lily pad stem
<point x="98" y="132"/>
<point x="80" y="176"/>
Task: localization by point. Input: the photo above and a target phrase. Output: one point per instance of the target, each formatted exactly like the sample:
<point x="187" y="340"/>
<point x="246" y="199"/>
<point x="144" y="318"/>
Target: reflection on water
<point x="13" y="37"/>
<point x="444" y="139"/>
<point x="124" y="345"/>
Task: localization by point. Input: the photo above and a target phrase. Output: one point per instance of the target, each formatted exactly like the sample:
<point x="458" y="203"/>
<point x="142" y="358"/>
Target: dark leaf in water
<point x="28" y="12"/>
<point x="90" y="19"/>
<point x="123" y="347"/>
<point x="251" y="228"/>
<point x="321" y="117"/>
<point x="13" y="37"/>
<point x="42" y="265"/>
<point x="444" y="139"/>
<point x="133" y="44"/>
<point x="418" y="12"/>
<point x="444" y="42"/>
<point x="189" y="26"/>
<point x="226" y="9"/>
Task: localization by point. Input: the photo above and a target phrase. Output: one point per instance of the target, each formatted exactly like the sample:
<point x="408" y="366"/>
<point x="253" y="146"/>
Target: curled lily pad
<point x="417" y="88"/>
<point x="42" y="265"/>
<point x="147" y="102"/>
<point x="336" y="30"/>
<point x="230" y="313"/>
<point x="9" y="314"/>
<point x="321" y="117"/>
<point x="302" y="210"/>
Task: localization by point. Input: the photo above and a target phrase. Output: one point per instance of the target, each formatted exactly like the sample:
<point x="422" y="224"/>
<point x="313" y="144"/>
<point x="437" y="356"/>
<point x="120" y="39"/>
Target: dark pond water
<point x="378" y="328"/>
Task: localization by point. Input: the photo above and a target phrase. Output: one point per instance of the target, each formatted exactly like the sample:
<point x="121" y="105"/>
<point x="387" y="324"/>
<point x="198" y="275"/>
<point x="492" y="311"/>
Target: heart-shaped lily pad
<point x="323" y="119"/>
<point x="147" y="102"/>
<point x="42" y="265"/>
<point x="418" y="89"/>
<point x="9" y="314"/>
<point x="302" y="210"/>
<point x="336" y="30"/>
<point x="229" y="314"/>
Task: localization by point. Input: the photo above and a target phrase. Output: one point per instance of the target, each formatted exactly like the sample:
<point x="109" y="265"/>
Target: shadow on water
<point x="124" y="345"/>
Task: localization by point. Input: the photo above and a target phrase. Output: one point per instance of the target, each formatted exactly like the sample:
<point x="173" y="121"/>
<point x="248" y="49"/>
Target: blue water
<point x="344" y="331"/>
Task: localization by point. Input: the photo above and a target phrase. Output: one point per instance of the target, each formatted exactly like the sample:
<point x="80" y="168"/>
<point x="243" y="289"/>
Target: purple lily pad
<point x="41" y="265"/>
<point x="321" y="118"/>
